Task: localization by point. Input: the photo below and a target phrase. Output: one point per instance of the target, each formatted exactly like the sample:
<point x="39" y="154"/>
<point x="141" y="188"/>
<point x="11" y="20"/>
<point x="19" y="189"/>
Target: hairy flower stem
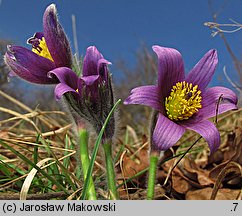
<point x="107" y="146"/>
<point x="85" y="161"/>
<point x="154" y="157"/>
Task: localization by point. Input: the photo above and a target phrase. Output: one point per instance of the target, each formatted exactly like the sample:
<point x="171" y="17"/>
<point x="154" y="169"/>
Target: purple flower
<point x="183" y="102"/>
<point x="50" y="50"/>
<point x="89" y="96"/>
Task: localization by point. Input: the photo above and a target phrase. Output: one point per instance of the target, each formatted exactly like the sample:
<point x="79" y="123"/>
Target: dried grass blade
<point x="30" y="177"/>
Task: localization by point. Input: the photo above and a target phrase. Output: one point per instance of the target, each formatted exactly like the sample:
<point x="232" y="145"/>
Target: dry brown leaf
<point x="180" y="185"/>
<point x="132" y="167"/>
<point x="205" y="194"/>
<point x="215" y="158"/>
<point x="231" y="167"/>
<point x="192" y="171"/>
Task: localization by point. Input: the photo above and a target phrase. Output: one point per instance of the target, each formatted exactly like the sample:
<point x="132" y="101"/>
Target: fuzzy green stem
<point x="85" y="161"/>
<point x="152" y="176"/>
<point x="110" y="170"/>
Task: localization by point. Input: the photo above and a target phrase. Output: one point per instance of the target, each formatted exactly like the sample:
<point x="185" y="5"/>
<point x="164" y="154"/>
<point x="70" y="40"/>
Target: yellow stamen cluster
<point x="42" y="49"/>
<point x="183" y="101"/>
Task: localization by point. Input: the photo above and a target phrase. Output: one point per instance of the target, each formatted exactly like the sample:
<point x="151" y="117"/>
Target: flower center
<point x="183" y="101"/>
<point x="42" y="49"/>
<point x="39" y="45"/>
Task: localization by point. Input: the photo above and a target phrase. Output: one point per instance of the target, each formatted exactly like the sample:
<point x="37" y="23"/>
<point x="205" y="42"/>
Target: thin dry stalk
<point x="27" y="182"/>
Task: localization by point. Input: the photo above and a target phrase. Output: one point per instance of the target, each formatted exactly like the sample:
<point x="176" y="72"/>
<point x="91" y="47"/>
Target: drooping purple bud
<point x="91" y="95"/>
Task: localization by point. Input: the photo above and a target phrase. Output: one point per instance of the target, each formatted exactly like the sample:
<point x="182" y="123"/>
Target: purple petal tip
<point x="51" y="8"/>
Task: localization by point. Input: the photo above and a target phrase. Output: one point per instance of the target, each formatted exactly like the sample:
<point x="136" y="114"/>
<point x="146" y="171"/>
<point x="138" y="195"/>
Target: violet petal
<point x="89" y="86"/>
<point x="90" y="62"/>
<point x="170" y="68"/>
<point x="90" y="80"/>
<point x="210" y="106"/>
<point x="102" y="68"/>
<point x="65" y="75"/>
<point x="35" y="40"/>
<point x="38" y="65"/>
<point x="38" y="35"/>
<point x="203" y="71"/>
<point x="61" y="89"/>
<point x="24" y="73"/>
<point x="56" y="38"/>
<point x="211" y="111"/>
<point x="166" y="133"/>
<point x="211" y="95"/>
<point x="145" y="95"/>
<point x="208" y="131"/>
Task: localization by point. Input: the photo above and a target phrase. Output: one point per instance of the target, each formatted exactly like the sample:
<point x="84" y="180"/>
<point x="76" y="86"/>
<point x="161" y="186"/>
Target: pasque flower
<point x="184" y="102"/>
<point x="89" y="96"/>
<point x="50" y="50"/>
